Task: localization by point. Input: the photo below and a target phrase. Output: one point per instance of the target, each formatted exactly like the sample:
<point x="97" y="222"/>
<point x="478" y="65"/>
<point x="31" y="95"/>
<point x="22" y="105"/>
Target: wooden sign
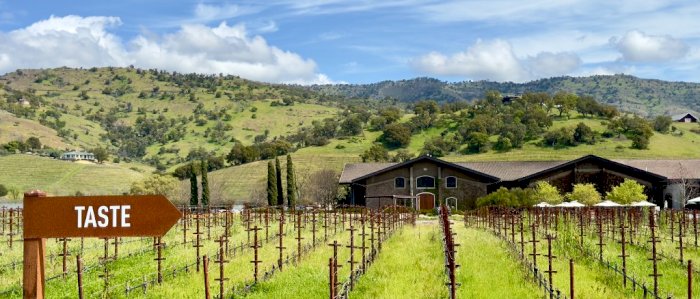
<point x="98" y="216"/>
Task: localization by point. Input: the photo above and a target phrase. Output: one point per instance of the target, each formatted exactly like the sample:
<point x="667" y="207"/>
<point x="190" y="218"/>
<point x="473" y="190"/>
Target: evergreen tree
<point x="271" y="184"/>
<point x="194" y="196"/>
<point x="291" y="184"/>
<point x="205" y="184"/>
<point x="280" y="188"/>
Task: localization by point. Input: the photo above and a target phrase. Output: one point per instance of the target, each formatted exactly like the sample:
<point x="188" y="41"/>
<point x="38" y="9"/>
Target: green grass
<point x="410" y="265"/>
<point x="487" y="270"/>
<point x="56" y="177"/>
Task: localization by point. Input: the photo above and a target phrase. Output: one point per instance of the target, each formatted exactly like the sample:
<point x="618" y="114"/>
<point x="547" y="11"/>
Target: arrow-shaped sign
<point x="99" y="216"/>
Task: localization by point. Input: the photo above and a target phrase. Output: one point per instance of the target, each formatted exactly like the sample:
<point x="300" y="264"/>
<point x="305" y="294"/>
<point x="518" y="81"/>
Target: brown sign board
<point x="98" y="216"/>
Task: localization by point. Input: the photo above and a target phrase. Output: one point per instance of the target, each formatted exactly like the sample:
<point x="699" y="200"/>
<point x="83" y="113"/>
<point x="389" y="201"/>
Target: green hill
<point x="645" y="97"/>
<point x="28" y="172"/>
<point x="151" y="117"/>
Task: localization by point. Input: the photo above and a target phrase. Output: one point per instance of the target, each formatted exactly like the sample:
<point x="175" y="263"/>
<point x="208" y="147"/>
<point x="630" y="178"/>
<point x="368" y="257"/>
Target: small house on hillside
<point x="78" y="156"/>
<point x="685" y="118"/>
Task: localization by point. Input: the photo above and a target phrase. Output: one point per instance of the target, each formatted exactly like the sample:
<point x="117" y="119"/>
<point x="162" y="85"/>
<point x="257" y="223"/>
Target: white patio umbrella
<point x="571" y="204"/>
<point x="694" y="200"/>
<point x="543" y="205"/>
<point x="607" y="203"/>
<point x="642" y="203"/>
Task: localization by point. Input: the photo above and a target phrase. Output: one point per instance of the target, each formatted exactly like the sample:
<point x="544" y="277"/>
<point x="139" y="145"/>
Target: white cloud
<point x="205" y="12"/>
<point x="84" y="42"/>
<point x="638" y="46"/>
<point x="495" y="60"/>
<point x="548" y="64"/>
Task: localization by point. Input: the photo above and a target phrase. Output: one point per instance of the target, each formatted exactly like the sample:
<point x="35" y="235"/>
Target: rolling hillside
<point x="647" y="97"/>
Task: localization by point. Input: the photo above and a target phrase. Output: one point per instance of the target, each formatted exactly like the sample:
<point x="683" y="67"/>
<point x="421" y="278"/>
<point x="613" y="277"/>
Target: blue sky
<point x="317" y="41"/>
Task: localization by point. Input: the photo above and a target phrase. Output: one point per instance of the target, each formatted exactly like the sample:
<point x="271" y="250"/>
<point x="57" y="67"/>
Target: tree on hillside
<point x="291" y="184"/>
<point x="478" y="143"/>
<point x="402" y="155"/>
<point x="585" y="194"/>
<point x="662" y="124"/>
<point x="375" y="153"/>
<point x="564" y="102"/>
<point x="324" y="184"/>
<point x="194" y="192"/>
<point x="33" y="143"/>
<point x="271" y="184"/>
<point x="101" y="154"/>
<point x="396" y="135"/>
<point x="584" y="134"/>
<point x="3" y="190"/>
<point x="155" y="184"/>
<point x="627" y="192"/>
<point x="280" y="188"/>
<point x="205" y="184"/>
<point x="544" y="191"/>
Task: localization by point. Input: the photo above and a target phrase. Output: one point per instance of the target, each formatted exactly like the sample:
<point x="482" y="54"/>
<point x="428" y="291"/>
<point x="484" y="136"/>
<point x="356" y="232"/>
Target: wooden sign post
<point x="87" y="216"/>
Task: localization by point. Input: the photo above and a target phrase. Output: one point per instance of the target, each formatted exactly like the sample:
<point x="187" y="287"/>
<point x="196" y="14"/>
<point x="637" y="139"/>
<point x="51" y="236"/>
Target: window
<point x="399" y="183"/>
<point x="425" y="182"/>
<point x="450" y="182"/>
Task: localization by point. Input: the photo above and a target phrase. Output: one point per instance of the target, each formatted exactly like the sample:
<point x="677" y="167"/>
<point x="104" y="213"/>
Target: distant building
<point x="685" y="118"/>
<point x="78" y="156"/>
<point x="423" y="182"/>
<point x="24" y="102"/>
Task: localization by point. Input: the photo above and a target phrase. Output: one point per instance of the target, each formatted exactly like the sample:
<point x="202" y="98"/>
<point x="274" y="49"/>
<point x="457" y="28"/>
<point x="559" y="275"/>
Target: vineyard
<point x="354" y="252"/>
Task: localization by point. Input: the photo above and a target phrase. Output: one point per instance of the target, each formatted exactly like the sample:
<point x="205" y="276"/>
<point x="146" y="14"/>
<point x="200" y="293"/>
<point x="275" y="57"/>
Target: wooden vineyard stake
<point x="364" y="245"/>
<point x="159" y="258"/>
<point x="672" y="221"/>
<point x="522" y="239"/>
<point x="624" y="254"/>
<point x="197" y="238"/>
<point x="256" y="261"/>
<point x="352" y="247"/>
<point x="325" y="226"/>
<point x="335" y="246"/>
<point x="299" y="238"/>
<point x="690" y="279"/>
<point x="205" y="264"/>
<point x="654" y="240"/>
<point x="11" y="234"/>
<point x="313" y="228"/>
<point x="680" y="238"/>
<point x="184" y="226"/>
<point x="331" y="279"/>
<point x="371" y="234"/>
<point x="550" y="271"/>
<point x="116" y="248"/>
<point x="227" y="231"/>
<point x="695" y="227"/>
<point x="379" y="231"/>
<point x="571" y="279"/>
<point x="534" y="242"/>
<point x="267" y="223"/>
<point x="599" y="223"/>
<point x="281" y="247"/>
<point x="221" y="262"/>
<point x="64" y="254"/>
<point x="79" y="271"/>
<point x="580" y="228"/>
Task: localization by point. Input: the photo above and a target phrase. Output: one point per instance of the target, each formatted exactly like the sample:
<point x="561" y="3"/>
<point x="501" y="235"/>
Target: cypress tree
<point x="194" y="192"/>
<point x="291" y="184"/>
<point x="205" y="185"/>
<point x="271" y="184"/>
<point x="280" y="188"/>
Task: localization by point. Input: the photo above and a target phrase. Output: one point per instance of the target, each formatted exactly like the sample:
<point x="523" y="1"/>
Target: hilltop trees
<point x="396" y="135"/>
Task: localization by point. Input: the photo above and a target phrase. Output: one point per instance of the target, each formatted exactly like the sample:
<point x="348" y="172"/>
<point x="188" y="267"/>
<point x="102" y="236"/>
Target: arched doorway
<point x="451" y="202"/>
<point x="426" y="201"/>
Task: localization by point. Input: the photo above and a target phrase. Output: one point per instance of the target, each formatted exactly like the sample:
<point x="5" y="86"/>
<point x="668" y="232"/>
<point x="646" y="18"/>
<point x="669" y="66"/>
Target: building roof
<point x="514" y="170"/>
<point x="77" y="153"/>
<point x="682" y="116"/>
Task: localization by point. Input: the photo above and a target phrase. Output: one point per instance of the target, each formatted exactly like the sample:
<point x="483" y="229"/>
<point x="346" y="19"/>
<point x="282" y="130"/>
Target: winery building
<point x="425" y="181"/>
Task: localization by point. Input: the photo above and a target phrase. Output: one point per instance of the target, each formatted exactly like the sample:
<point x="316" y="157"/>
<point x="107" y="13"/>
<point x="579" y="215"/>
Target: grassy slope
<point x="14" y="128"/>
<point x="56" y="177"/>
